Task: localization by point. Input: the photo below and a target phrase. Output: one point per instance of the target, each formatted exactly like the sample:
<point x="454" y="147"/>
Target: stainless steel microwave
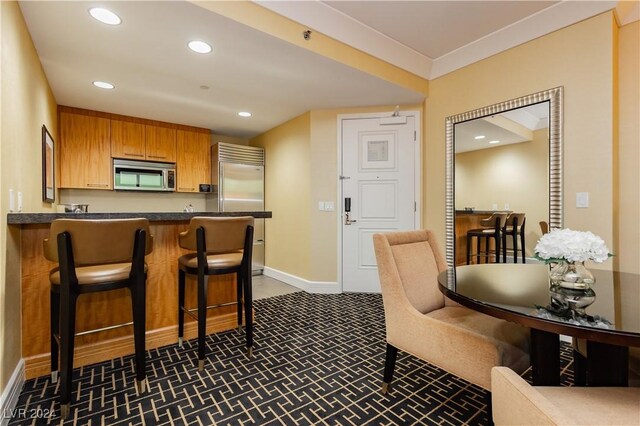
<point x="143" y="176"/>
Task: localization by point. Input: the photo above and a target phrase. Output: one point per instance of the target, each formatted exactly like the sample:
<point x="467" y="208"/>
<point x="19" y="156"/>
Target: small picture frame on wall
<point x="48" y="167"/>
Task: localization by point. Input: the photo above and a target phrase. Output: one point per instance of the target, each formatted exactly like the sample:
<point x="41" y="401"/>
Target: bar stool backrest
<point x="97" y="242"/>
<point x="490" y="222"/>
<point x="222" y="234"/>
<point x="517" y="217"/>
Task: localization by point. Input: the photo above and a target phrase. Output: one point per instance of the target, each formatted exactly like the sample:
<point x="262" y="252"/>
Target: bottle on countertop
<point x="189" y="208"/>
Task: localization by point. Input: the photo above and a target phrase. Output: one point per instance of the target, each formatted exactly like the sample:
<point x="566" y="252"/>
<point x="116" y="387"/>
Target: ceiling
<point x="157" y="77"/>
<point x="509" y="127"/>
<point x="435" y="28"/>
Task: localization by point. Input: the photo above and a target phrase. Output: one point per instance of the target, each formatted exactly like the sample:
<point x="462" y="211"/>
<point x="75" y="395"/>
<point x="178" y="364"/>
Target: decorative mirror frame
<point x="555" y="98"/>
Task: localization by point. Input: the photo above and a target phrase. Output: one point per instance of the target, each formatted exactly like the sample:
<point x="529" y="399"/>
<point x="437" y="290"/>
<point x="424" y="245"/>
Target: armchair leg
<point x="389" y="366"/>
<point x="181" y="293"/>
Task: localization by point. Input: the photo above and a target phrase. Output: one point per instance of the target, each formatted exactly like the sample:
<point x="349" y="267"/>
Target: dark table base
<point x="604" y="365"/>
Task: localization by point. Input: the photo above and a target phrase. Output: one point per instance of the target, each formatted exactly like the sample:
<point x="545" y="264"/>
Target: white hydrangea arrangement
<point x="571" y="246"/>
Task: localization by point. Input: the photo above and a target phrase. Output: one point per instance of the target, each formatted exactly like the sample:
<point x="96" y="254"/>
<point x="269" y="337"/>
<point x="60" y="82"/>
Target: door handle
<point x="347" y="219"/>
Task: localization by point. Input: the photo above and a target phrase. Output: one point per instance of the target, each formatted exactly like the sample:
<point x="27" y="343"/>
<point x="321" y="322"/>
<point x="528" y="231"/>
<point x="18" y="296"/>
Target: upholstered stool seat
<point x="94" y="256"/>
<point x="220" y="245"/>
<point x="97" y="274"/>
<point x="224" y="260"/>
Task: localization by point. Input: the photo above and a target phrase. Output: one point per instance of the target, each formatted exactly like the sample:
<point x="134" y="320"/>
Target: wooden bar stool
<point x="222" y="245"/>
<point x="493" y="230"/>
<point x="514" y="229"/>
<point x="93" y="256"/>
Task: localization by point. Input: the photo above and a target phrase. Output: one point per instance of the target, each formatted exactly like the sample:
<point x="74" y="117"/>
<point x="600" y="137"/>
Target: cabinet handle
<point x="98" y="185"/>
<point x="156" y="156"/>
<point x="133" y="155"/>
<point x="186" y="189"/>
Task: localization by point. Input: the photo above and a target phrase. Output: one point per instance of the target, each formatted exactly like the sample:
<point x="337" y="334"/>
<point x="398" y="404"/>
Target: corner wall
<point x="287" y="194"/>
<point x="578" y="57"/>
<point x="27" y="104"/>
<point x="628" y="214"/>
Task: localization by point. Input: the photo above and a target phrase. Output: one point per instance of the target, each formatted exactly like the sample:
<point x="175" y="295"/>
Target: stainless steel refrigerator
<point x="238" y="176"/>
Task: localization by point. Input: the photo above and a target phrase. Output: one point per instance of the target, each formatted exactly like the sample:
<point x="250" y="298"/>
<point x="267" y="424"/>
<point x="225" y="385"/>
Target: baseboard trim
<point x="9" y="398"/>
<point x="40" y="365"/>
<point x="320" y="287"/>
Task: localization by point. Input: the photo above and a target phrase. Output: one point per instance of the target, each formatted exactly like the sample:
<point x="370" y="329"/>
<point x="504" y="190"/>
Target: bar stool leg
<point x="487" y="247"/>
<point x="55" y="330"/>
<point x="239" y="300"/>
<point x="522" y="244"/>
<point x="514" y="238"/>
<point x="468" y="249"/>
<point x="478" y="249"/>
<point x="248" y="308"/>
<point x="202" y="319"/>
<point x="139" y="312"/>
<point x="498" y="249"/>
<point x="181" y="293"/>
<point x="504" y="247"/>
<point x="67" y="337"/>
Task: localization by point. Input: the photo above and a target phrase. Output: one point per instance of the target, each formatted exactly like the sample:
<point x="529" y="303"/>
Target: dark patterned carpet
<point x="318" y="359"/>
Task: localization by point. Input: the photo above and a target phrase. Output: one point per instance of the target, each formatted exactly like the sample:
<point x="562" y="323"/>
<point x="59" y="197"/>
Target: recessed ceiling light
<point x="244" y="114"/>
<point x="199" y="46"/>
<point x="105" y="16"/>
<point x="103" y="85"/>
<point x="494" y="141"/>
<point x="479" y="137"/>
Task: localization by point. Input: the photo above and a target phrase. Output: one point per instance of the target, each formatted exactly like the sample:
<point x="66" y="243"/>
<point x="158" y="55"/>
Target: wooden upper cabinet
<point x="193" y="163"/>
<point x="127" y="140"/>
<point x="160" y="144"/>
<point x="85" y="152"/>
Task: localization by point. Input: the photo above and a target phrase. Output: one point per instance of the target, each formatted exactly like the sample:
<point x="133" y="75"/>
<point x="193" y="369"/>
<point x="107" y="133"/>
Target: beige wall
<point x="513" y="174"/>
<point x="580" y="58"/>
<point x="628" y="213"/>
<point x="287" y="194"/>
<point x="229" y="139"/>
<point x="27" y="104"/>
<point x="317" y="182"/>
<point x="127" y="201"/>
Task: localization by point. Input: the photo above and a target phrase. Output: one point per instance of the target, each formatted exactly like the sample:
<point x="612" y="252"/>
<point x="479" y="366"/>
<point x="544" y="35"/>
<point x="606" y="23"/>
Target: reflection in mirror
<point x="504" y="158"/>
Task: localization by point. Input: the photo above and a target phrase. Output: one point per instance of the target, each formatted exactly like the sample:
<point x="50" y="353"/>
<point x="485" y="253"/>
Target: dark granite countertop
<point x="35" y="218"/>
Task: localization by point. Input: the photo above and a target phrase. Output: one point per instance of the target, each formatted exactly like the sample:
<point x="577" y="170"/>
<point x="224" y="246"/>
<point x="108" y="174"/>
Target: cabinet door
<point x="160" y="144"/>
<point x="193" y="165"/>
<point x="127" y="140"/>
<point x="85" y="152"/>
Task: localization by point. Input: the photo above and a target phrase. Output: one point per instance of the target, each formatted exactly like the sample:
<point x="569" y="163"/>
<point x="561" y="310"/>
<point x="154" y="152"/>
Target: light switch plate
<point x="19" y="201"/>
<point x="329" y="206"/>
<point x="321" y="205"/>
<point x="12" y="201"/>
<point x="582" y="200"/>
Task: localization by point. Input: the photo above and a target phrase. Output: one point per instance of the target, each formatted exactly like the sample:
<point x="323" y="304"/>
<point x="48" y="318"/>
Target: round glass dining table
<point x="520" y="293"/>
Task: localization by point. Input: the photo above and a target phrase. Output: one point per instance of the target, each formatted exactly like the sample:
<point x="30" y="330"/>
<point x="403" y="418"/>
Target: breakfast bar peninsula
<point x="101" y="310"/>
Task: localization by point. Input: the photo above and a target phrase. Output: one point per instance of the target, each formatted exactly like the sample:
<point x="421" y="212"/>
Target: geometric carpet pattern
<point x="317" y="359"/>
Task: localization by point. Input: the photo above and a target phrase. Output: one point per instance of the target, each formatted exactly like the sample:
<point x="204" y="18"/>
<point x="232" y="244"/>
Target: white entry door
<point x="378" y="191"/>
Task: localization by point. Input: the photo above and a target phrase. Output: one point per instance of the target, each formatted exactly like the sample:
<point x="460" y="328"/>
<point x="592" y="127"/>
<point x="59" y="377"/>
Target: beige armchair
<point x="515" y="402"/>
<point x="422" y="322"/>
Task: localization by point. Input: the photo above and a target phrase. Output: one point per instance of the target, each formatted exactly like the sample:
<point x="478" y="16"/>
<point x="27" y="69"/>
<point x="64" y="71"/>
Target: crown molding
<point x="544" y="22"/>
<point x="321" y="17"/>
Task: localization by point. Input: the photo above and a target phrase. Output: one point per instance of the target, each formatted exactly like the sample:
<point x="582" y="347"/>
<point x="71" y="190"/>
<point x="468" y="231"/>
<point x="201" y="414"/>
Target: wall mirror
<point x="505" y="157"/>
